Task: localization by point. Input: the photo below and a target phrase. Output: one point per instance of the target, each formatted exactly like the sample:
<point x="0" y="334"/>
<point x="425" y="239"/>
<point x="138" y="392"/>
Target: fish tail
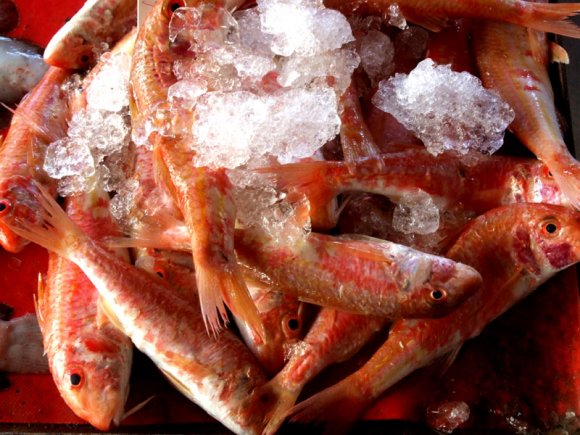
<point x="307" y="178"/>
<point x="339" y="406"/>
<point x="280" y="400"/>
<point x="566" y="173"/>
<point x="223" y="286"/>
<point x="551" y="18"/>
<point x="54" y="230"/>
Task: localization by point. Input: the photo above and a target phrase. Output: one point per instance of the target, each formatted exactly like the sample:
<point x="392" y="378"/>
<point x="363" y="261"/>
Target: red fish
<point x="204" y="195"/>
<point x="217" y="374"/>
<point x="513" y="61"/>
<point x="40" y="119"/>
<point x="516" y="248"/>
<point x="436" y="14"/>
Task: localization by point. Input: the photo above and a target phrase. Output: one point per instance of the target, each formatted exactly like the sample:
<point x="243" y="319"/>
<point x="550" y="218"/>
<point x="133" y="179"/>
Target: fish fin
<point x="551" y="18"/>
<point x="558" y="54"/>
<point x="106" y="315"/>
<point x="429" y="22"/>
<point x="56" y="232"/>
<point x="307" y="178"/>
<point x="38" y="305"/>
<point x="193" y="366"/>
<point x="28" y="120"/>
<point x="362" y="246"/>
<point x="447" y="361"/>
<point x="566" y="173"/>
<point x="135" y="409"/>
<point x="280" y="400"/>
<point x="218" y="287"/>
<point x="338" y="406"/>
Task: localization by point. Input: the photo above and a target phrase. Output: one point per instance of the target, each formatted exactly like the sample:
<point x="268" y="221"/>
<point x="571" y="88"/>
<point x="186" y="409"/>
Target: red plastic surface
<point x="523" y="371"/>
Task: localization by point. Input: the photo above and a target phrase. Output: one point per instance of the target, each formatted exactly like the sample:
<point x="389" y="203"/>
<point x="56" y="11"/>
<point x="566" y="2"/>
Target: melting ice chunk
<point x="396" y="17"/>
<point x="445" y="109"/>
<point x="416" y="214"/>
<point x="237" y="128"/>
<point x="303" y="27"/>
<point x="376" y="55"/>
<point x="65" y="158"/>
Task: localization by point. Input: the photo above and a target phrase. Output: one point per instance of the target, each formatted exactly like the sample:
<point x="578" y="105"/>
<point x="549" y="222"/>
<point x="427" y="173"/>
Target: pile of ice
<point x="96" y="145"/>
<point x="263" y="83"/>
<point x="445" y="109"/>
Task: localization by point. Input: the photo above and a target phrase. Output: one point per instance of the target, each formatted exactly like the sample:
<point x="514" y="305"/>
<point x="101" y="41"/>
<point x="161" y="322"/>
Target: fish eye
<point x="76" y="379"/>
<point x="438" y="295"/>
<point x="173" y="5"/>
<point x="5" y="206"/>
<point x="546" y="172"/>
<point x="550" y="227"/>
<point x="85" y="58"/>
<point x="293" y="324"/>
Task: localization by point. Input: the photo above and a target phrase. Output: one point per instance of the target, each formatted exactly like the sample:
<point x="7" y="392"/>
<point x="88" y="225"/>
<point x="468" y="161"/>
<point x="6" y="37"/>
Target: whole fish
<point x="92" y="30"/>
<point x="217" y="374"/>
<point x="516" y="248"/>
<point x="89" y="358"/>
<point x="334" y="337"/>
<point x="40" y="119"/>
<point x="21" y="68"/>
<point x="514" y="62"/>
<point x="284" y="319"/>
<point x="21" y="349"/>
<point x="436" y="14"/>
<point x="483" y="183"/>
<point x="360" y="275"/>
<point x="203" y="195"/>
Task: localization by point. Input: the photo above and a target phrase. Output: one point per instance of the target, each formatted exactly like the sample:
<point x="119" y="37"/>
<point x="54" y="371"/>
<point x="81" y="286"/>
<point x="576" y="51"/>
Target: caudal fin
<point x="280" y="400"/>
<point x="51" y="228"/>
<point x="551" y="18"/>
<point x="338" y="406"/>
<point x="223" y="286"/>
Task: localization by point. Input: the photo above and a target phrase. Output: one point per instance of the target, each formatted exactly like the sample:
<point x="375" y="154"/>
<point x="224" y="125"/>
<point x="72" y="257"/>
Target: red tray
<point x="522" y="372"/>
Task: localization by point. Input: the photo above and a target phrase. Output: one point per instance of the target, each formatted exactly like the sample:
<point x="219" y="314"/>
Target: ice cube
<point x="109" y="90"/>
<point x="303" y="27"/>
<point x="376" y="54"/>
<point x="445" y="109"/>
<point x="235" y="128"/>
<point x="447" y="416"/>
<point x="65" y="158"/>
<point x="395" y="16"/>
<point x="417" y="214"/>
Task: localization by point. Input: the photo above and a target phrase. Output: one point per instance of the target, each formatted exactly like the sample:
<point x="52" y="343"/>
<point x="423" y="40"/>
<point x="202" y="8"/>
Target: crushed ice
<point x="98" y="136"/>
<point x="445" y="109"/>
<point x="416" y="214"/>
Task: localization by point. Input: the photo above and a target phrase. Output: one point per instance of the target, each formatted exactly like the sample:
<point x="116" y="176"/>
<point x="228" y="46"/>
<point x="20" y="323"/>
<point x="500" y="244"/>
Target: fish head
<point x="18" y="204"/>
<point x="283" y="319"/>
<point x="93" y="378"/>
<point x="553" y="243"/>
<point x="71" y="52"/>
<point x="446" y="286"/>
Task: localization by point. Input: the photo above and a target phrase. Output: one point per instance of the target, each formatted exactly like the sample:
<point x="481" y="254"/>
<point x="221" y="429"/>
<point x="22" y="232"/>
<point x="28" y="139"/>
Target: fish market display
<point x="287" y="207"/>
<point x="21" y="68"/>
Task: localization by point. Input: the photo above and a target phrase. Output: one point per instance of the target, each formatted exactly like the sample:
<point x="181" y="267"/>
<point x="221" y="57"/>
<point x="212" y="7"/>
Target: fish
<point x="451" y="46"/>
<point x="203" y="195"/>
<point x="284" y="318"/>
<point x="89" y="358"/>
<point x="335" y="336"/>
<point x="218" y="373"/>
<point x="521" y="79"/>
<point x="360" y="274"/>
<point x="21" y="349"/>
<point x="21" y="68"/>
<point x="516" y="248"/>
<point x="40" y="119"/>
<point x="98" y="25"/>
<point x="447" y="178"/>
<point x="437" y="14"/>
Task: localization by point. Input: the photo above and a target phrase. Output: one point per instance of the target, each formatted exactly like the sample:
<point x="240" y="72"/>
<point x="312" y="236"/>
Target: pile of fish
<point x="165" y="235"/>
